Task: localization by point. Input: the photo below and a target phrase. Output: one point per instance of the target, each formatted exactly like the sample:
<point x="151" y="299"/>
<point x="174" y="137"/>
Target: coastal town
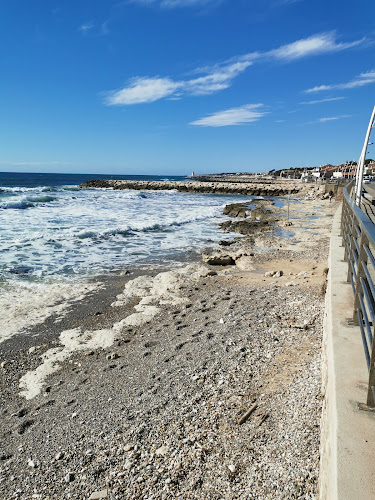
<point x="340" y="172"/>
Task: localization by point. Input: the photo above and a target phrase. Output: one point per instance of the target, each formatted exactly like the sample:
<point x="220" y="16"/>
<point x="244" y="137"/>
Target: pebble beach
<point x="200" y="382"/>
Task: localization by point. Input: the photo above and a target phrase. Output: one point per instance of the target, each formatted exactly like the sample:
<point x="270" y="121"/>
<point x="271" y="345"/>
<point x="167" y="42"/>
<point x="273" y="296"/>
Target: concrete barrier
<point x="347" y="454"/>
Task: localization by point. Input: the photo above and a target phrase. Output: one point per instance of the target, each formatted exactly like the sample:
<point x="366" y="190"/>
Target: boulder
<point x="237" y="210"/>
<point x="217" y="259"/>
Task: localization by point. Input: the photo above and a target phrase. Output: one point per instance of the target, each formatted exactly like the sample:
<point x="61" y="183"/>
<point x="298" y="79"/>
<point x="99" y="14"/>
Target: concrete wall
<point x="347" y="434"/>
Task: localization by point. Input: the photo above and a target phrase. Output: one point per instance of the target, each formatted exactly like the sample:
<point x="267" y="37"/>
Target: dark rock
<point x="226" y="243"/>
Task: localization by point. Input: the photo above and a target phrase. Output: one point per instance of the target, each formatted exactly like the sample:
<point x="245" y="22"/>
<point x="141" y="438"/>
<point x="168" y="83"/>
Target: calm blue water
<point x="50" y="227"/>
<point x="12" y="179"/>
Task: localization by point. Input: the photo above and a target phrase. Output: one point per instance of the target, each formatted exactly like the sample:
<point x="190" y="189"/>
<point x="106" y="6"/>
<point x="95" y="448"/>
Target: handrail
<point x="358" y="237"/>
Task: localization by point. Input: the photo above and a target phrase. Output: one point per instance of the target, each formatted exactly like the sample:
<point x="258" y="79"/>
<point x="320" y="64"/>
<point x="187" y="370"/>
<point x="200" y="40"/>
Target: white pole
<point x="361" y="162"/>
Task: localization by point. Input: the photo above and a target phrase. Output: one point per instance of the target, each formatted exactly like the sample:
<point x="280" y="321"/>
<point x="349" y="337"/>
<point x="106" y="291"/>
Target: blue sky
<point x="171" y="86"/>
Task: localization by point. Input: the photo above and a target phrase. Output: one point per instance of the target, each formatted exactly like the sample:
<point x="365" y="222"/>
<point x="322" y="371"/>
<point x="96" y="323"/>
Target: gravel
<point x="157" y="415"/>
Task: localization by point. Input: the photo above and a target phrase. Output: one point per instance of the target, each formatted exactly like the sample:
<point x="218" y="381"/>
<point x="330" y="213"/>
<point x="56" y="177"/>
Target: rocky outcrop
<point x="251" y="189"/>
<point x="237" y="210"/>
<point x="253" y="219"/>
<point x="246" y="226"/>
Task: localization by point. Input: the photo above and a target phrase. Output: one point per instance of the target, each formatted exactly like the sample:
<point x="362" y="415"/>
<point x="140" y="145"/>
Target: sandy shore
<point x="145" y="389"/>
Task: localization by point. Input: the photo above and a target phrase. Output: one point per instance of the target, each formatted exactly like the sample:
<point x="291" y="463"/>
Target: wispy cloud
<point x="170" y="4"/>
<point x="145" y="90"/>
<point x="323" y="43"/>
<point x="328" y="99"/>
<point x="220" y="76"/>
<point x="330" y="119"/>
<point x="235" y="116"/>
<point x="359" y="81"/>
<point x="86" y="27"/>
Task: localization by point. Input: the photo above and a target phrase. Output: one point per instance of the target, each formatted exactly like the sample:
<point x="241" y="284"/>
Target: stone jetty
<point x="251" y="189"/>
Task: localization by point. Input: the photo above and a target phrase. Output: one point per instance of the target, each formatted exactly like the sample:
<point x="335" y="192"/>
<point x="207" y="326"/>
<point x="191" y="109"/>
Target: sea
<point x="56" y="238"/>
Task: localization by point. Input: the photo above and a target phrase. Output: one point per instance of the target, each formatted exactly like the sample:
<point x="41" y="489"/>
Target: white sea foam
<point x="26" y="304"/>
<point x="89" y="231"/>
<point x="164" y="288"/>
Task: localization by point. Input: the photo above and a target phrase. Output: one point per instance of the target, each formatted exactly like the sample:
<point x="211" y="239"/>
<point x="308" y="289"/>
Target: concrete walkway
<point x="348" y="434"/>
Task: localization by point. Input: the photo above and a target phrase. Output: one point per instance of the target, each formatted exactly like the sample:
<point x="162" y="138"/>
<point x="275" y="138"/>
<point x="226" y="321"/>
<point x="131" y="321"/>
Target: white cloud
<point x="142" y="90"/>
<point x="328" y="99"/>
<point x="359" y="81"/>
<point x="220" y="76"/>
<point x="235" y="116"/>
<point x="331" y="118"/>
<point x="185" y="3"/>
<point x="219" y="79"/>
<point x="86" y="27"/>
<point x="170" y="4"/>
<point x="317" y="44"/>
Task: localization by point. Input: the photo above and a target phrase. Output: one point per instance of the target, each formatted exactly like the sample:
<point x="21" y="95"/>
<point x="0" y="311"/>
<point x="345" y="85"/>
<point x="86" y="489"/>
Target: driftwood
<point x="262" y="419"/>
<point x="246" y="415"/>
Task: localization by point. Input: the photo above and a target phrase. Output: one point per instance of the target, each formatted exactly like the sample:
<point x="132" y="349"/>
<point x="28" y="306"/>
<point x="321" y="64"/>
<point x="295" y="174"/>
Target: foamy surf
<point x="26" y="304"/>
<point x="59" y="230"/>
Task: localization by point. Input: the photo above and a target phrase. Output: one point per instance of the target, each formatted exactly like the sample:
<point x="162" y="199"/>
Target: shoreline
<point x="156" y="412"/>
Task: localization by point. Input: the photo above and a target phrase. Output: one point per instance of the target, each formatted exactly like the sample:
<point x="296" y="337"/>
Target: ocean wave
<point x="129" y="231"/>
<point x="83" y="235"/>
<point x="26" y="202"/>
<point x="132" y="230"/>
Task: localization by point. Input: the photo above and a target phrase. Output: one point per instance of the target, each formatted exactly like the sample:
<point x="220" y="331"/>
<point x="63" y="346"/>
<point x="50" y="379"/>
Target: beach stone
<point x="128" y="464"/>
<point x="111" y="356"/>
<point x="69" y="477"/>
<point x="218" y="259"/>
<point x="163" y="450"/>
<point x="99" y="494"/>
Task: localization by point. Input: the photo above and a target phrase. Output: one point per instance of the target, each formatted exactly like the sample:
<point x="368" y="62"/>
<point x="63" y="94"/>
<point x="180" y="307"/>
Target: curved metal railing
<point x="358" y="234"/>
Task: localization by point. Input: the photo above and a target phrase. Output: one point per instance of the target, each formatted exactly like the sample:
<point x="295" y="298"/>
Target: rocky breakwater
<point x="251" y="189"/>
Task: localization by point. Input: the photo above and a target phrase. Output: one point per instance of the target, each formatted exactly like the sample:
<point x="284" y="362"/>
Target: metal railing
<point x="358" y="234"/>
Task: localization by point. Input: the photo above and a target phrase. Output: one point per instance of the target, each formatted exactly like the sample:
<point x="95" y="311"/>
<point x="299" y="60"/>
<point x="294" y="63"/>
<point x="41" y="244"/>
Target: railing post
<point x="343" y="209"/>
<point x="371" y="381"/>
<point x="362" y="257"/>
<point x="348" y="254"/>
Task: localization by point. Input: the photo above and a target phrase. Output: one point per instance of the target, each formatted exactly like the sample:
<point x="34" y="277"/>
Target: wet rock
<point x="237" y="210"/>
